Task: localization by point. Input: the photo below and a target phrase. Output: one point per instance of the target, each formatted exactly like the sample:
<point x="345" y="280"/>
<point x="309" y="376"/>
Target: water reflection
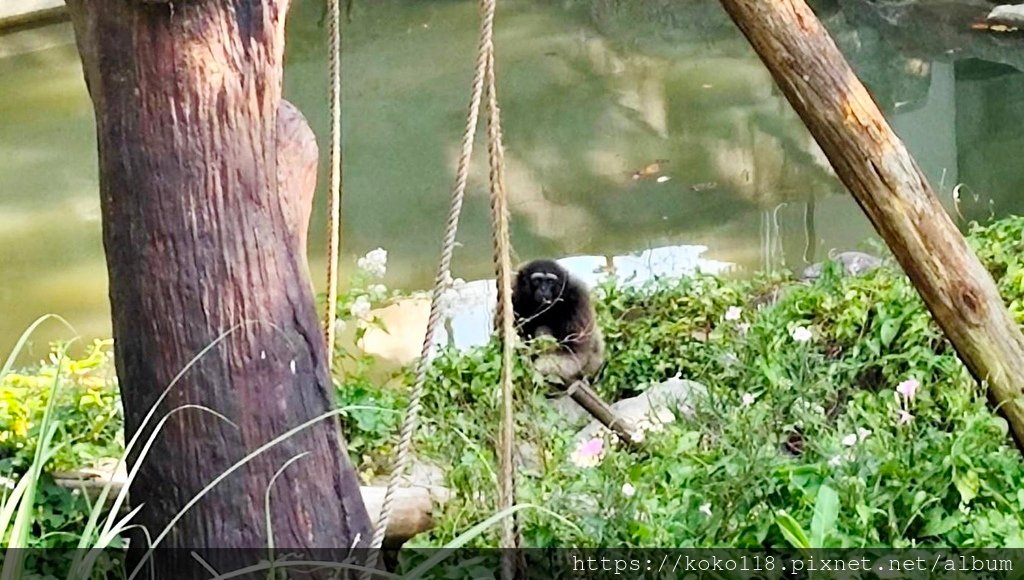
<point x="595" y="92"/>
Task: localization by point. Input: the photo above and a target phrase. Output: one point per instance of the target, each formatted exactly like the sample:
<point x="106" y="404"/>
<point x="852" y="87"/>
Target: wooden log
<point x="412" y="509"/>
<point x="877" y="168"/>
<point x="592" y="403"/>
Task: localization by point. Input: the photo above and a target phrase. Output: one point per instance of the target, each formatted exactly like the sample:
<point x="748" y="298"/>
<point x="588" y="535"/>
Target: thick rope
<point x="334" y="203"/>
<point x="510" y="536"/>
<point x="443" y="274"/>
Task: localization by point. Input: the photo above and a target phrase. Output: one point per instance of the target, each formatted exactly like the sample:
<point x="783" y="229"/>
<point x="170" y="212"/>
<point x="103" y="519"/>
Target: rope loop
<point x="484" y="72"/>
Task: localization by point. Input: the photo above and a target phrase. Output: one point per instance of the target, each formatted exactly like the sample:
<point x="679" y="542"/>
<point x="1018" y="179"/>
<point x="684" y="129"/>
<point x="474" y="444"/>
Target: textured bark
<point x="876" y="167"/>
<point x="200" y="237"/>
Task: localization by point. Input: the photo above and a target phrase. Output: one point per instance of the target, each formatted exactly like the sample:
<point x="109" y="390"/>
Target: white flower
<point x="733" y="313"/>
<point x="862" y="433"/>
<point x="905" y="417"/>
<point x="628" y="490"/>
<point x="339" y="327"/>
<point x="378" y="289"/>
<point x="748" y="399"/>
<point x="374" y="262"/>
<point x="743" y="327"/>
<point x="637" y="436"/>
<point x="361" y="307"/>
<point x="801" y="334"/>
<point x="850" y="440"/>
<point x="665" y="416"/>
<point x="706" y="509"/>
<point x="7" y="482"/>
<point x="835" y="461"/>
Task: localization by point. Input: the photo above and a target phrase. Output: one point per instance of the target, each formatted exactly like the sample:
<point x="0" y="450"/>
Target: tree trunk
<point x="200" y="237"/>
<point x="876" y="167"/>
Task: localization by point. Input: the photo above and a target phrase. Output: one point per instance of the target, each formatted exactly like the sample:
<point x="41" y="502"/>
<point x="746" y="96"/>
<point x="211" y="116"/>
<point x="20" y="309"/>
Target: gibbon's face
<point x="547" y="287"/>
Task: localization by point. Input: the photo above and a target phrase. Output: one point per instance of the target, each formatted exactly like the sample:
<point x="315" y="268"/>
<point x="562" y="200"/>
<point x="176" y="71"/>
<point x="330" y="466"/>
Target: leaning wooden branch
<point x="585" y="397"/>
<point x="876" y="167"/>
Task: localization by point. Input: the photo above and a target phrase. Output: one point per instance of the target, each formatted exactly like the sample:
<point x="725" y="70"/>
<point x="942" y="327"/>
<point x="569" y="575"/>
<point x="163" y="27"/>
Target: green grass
<point x="947" y="477"/>
<point x="801" y="444"/>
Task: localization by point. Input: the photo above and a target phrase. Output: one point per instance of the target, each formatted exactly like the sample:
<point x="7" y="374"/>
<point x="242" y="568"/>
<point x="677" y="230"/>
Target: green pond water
<point x="628" y="126"/>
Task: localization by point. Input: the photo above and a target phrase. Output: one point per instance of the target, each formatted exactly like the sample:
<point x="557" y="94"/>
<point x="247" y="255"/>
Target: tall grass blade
<point x="18" y="346"/>
<point x="266" y="504"/>
<point x="472" y="533"/>
<point x="113" y="527"/>
<point x="239" y="464"/>
<point x="14" y="559"/>
<point x="94" y="515"/>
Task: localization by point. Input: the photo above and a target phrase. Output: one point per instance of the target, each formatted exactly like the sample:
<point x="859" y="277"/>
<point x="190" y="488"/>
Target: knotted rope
<point x="510" y="537"/>
<point x="334" y="203"/>
<point x="484" y="72"/>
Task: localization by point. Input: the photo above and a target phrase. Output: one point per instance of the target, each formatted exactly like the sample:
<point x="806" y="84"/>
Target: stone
<point x="568" y="409"/>
<point x="1007" y="14"/>
<point x="853" y="263"/>
<point x="678" y="396"/>
<point x="423" y="473"/>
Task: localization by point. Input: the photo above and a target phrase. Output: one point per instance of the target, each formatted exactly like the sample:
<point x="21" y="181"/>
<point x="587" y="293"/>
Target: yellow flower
<point x="20" y="427"/>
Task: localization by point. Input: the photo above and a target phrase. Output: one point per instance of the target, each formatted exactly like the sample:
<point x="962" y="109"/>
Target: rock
<point x="568" y="409"/>
<point x="423" y="473"/>
<point x="854" y="264"/>
<point x="528" y="457"/>
<point x="675" y="395"/>
<point x="1007" y="14"/>
<point x="770" y="297"/>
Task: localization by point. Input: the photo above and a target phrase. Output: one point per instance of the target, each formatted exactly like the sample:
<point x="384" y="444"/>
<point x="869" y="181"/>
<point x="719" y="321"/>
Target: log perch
<point x="412" y="508"/>
<point x="592" y="403"/>
<point x="888" y="185"/>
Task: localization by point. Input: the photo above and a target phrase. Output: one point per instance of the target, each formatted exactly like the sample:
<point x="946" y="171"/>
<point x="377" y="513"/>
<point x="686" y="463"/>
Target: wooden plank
<point x="412" y="508"/>
<point x="19" y="12"/>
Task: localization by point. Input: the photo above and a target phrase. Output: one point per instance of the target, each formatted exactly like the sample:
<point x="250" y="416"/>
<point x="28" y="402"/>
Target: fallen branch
<point x="412" y="508"/>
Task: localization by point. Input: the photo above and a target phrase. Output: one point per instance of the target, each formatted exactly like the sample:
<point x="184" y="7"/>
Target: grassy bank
<point x="836" y="415"/>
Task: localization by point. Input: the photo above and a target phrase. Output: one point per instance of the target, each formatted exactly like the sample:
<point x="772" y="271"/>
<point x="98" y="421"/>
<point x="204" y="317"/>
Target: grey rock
<point x="1007" y="14"/>
<point x="425" y="474"/>
<point x="568" y="409"/>
<point x="678" y="396"/>
<point x="527" y="456"/>
<point x="854" y="264"/>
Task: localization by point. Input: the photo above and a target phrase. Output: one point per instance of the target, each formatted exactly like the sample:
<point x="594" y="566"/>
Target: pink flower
<point x="588" y="453"/>
<point x="908" y="388"/>
<point x="905" y="417"/>
<point x="592" y="447"/>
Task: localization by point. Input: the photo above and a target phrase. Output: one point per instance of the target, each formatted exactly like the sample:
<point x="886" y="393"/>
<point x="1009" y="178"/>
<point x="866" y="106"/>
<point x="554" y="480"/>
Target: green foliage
<point x="86" y="410"/>
<point x="803" y="438"/>
<point x="803" y="443"/>
<point x="64" y="413"/>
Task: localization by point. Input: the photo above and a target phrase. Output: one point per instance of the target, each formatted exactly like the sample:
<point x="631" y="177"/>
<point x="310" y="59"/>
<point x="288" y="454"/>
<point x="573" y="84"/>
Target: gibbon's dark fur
<point x="546" y="300"/>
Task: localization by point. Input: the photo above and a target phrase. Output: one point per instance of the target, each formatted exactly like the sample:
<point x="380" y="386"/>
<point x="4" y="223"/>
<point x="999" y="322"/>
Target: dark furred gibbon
<point x="548" y="301"/>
